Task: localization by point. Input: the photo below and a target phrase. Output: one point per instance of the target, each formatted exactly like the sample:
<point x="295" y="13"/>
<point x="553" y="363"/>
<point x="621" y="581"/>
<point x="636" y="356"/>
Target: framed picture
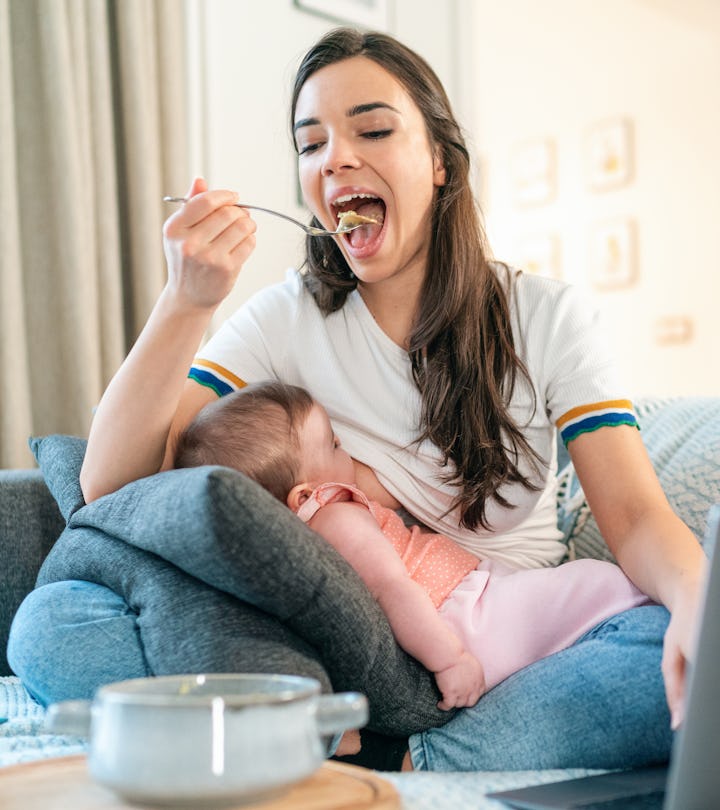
<point x="372" y="14"/>
<point x="613" y="260"/>
<point x="609" y="154"/>
<point x="532" y="168"/>
<point x="673" y="330"/>
<point x="539" y="255"/>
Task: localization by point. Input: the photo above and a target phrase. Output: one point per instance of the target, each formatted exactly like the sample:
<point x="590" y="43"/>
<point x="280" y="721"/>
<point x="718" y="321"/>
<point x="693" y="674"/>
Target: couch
<point x="681" y="434"/>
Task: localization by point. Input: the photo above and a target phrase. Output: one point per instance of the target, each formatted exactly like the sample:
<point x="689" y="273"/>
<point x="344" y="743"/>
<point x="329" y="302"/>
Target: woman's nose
<point x="339" y="155"/>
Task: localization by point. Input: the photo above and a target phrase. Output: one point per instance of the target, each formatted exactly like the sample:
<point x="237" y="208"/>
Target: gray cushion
<point x="223" y="530"/>
<point x="60" y="459"/>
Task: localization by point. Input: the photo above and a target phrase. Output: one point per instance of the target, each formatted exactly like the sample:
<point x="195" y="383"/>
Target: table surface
<point x="55" y="784"/>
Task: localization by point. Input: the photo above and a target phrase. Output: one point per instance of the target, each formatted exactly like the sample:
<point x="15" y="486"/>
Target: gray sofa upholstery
<point x="30" y="522"/>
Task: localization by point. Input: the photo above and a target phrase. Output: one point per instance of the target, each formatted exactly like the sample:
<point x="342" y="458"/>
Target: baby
<point x="471" y="622"/>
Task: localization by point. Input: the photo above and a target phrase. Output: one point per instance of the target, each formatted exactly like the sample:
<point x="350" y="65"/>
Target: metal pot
<point x="207" y="740"/>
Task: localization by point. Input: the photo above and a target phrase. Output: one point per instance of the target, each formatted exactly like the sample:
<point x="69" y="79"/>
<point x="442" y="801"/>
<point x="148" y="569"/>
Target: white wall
<point x="550" y="70"/>
<point x="243" y="57"/>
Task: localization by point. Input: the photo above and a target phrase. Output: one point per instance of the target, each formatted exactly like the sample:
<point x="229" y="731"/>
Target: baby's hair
<point x="253" y="430"/>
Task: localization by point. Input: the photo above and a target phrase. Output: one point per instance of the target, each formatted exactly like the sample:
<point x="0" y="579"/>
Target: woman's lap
<point x="70" y="637"/>
<point x="598" y="704"/>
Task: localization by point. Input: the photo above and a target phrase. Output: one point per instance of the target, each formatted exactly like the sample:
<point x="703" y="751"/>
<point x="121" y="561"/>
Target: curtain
<point x="93" y="132"/>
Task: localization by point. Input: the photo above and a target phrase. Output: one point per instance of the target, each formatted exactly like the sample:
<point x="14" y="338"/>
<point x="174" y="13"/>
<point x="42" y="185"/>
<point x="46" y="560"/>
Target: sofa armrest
<point x="30" y="522"/>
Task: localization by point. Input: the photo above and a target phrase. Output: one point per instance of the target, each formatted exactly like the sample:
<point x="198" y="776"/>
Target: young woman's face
<point x="323" y="459"/>
<point x="363" y="146"/>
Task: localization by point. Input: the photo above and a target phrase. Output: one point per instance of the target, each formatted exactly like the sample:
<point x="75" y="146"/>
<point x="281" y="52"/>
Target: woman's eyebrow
<point x="305" y="122"/>
<point x="358" y="109"/>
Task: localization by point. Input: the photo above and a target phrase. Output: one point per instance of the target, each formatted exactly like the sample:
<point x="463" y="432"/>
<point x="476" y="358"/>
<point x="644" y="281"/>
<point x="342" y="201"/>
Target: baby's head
<point x="274" y="433"/>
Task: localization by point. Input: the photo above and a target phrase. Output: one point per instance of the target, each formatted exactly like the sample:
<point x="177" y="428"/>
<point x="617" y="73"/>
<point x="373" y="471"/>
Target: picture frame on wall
<point x="370" y="14"/>
<point x="674" y="330"/>
<point x="613" y="254"/>
<point x="532" y="172"/>
<point x="609" y="155"/>
<point x="539" y="255"/>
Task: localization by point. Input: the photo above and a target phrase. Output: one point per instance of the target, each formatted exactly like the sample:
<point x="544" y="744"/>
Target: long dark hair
<point x="461" y="346"/>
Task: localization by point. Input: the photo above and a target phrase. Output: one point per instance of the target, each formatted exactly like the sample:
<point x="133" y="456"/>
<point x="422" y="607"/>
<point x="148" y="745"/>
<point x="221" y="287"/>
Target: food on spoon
<point x="349" y="219"/>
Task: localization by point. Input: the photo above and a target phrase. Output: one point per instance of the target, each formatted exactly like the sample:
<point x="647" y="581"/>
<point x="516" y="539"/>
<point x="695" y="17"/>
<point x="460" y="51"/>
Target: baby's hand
<point x="461" y="684"/>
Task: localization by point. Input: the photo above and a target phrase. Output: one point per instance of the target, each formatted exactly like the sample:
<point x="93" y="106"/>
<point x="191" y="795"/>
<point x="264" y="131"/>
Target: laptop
<point x="692" y="780"/>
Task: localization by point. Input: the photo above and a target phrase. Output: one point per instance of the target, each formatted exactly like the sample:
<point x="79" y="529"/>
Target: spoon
<point x="349" y="220"/>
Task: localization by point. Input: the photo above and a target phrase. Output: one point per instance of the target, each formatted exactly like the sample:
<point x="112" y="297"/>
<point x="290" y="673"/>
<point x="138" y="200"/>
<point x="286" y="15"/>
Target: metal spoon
<point x="311" y="230"/>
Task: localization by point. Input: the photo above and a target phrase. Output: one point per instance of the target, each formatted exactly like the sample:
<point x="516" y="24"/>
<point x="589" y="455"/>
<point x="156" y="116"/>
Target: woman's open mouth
<point x="365" y="206"/>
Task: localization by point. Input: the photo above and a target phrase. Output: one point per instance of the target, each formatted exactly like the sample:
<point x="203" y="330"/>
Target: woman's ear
<point x="298" y="495"/>
<point x="439" y="173"/>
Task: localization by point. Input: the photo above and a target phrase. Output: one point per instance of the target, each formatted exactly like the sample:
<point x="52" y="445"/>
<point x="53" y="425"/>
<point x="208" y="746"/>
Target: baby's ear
<point x="298" y="495"/>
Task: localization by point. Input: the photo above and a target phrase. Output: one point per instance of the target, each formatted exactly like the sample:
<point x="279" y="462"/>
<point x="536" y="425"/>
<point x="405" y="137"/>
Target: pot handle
<point x="69" y="717"/>
<point x="346" y="710"/>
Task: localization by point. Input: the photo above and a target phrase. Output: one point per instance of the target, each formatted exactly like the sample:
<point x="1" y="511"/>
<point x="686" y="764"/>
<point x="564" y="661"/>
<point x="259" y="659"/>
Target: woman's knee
<point x="598" y="704"/>
<point x="68" y="638"/>
<point x="643" y="626"/>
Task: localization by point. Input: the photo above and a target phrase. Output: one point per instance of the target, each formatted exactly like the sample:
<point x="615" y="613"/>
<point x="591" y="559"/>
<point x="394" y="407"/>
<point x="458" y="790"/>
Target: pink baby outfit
<point x="507" y="618"/>
<point x="434" y="561"/>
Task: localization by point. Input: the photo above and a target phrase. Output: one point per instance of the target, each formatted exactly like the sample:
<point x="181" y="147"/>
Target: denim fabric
<point x="598" y="704"/>
<point x="82" y="613"/>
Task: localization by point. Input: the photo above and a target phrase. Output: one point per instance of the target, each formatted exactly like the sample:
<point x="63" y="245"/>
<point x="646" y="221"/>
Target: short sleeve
<point x="250" y="344"/>
<point x="570" y="359"/>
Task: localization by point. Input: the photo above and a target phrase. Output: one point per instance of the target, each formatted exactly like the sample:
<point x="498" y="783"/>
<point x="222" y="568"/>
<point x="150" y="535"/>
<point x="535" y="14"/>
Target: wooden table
<point x="64" y="784"/>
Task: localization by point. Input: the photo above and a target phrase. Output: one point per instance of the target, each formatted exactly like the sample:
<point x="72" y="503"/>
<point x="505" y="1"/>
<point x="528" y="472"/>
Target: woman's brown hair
<point x="461" y="346"/>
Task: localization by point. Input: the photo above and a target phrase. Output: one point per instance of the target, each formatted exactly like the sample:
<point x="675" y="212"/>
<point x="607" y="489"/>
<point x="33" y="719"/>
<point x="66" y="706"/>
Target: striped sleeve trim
<point x="214" y="376"/>
<point x="588" y="418"/>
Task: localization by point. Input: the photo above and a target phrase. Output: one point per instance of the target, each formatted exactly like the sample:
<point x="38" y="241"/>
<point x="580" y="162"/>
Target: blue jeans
<point x="597" y="704"/>
<point x="69" y="638"/>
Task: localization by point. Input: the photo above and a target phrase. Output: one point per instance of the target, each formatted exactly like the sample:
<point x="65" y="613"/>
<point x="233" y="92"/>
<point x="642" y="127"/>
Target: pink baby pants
<point x="509" y="618"/>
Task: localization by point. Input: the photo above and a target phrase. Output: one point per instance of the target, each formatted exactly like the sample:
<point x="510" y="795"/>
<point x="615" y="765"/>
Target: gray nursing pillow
<point x="209" y="536"/>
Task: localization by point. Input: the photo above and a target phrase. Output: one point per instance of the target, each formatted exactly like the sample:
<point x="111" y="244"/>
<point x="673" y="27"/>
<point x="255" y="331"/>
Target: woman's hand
<point x="206" y="244"/>
<point x="462" y="683"/>
<point x="679" y="648"/>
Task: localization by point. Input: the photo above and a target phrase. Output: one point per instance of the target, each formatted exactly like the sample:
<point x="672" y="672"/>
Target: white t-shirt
<point x="364" y="380"/>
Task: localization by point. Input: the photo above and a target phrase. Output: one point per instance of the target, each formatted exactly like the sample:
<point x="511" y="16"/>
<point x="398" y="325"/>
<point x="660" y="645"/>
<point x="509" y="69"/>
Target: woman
<point x="445" y="376"/>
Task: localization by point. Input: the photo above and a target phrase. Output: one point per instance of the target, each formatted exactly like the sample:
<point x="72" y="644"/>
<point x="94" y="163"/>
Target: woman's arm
<point x="652" y="545"/>
<point x="148" y="401"/>
<point x="418" y="628"/>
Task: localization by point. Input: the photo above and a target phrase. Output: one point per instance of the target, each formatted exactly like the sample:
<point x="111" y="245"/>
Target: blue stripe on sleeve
<point x="220" y="387"/>
<point x="573" y="430"/>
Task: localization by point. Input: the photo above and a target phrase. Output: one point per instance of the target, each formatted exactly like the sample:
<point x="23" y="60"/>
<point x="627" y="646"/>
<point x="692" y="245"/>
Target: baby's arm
<point x="418" y="628"/>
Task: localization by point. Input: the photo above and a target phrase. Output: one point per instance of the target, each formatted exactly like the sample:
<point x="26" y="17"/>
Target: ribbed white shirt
<point x="364" y="381"/>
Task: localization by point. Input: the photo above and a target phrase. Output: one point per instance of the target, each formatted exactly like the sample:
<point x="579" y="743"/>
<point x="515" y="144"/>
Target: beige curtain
<point x="92" y="134"/>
